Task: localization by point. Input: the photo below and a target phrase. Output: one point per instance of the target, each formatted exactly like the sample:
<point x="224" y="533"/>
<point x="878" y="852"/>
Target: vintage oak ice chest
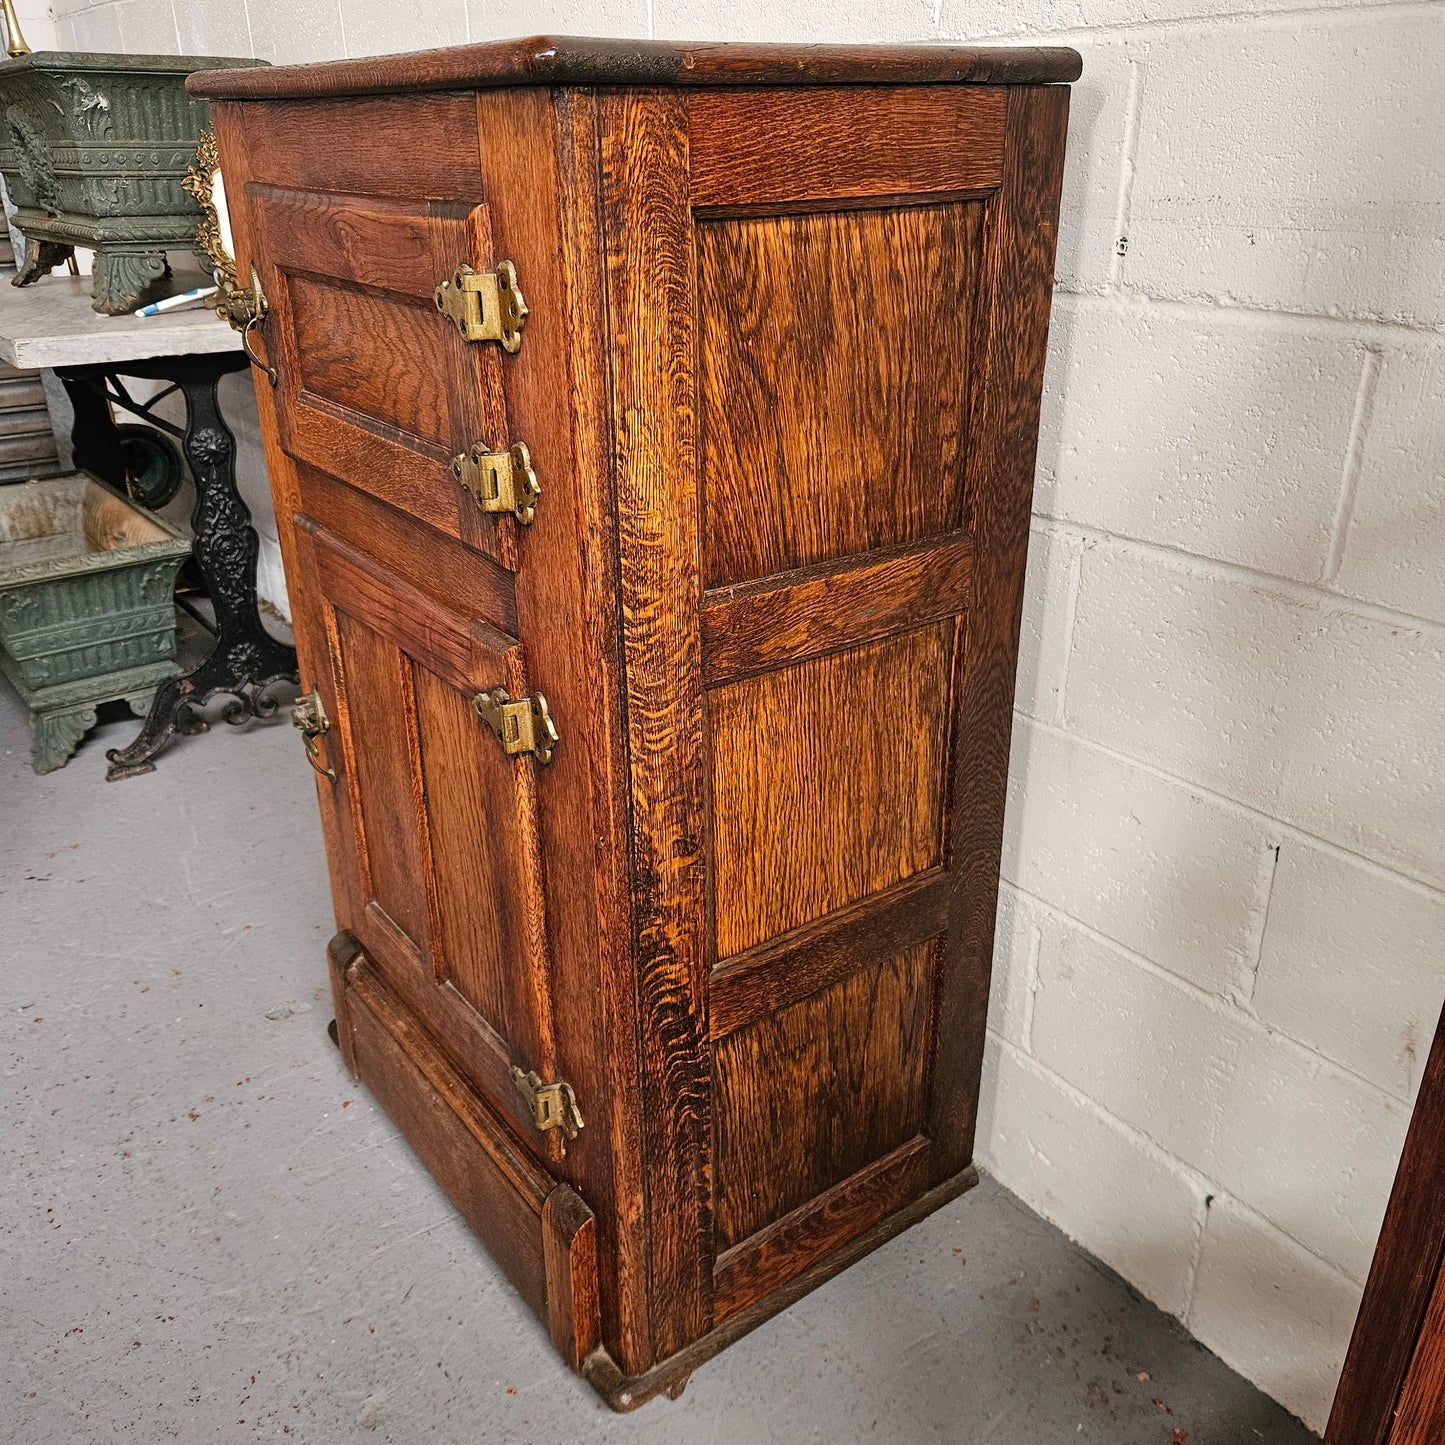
<point x="658" y="425"/>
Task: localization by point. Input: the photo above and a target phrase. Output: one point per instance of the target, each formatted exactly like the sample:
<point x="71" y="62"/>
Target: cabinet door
<point x="444" y="872"/>
<point x="829" y="310"/>
<point x="374" y="385"/>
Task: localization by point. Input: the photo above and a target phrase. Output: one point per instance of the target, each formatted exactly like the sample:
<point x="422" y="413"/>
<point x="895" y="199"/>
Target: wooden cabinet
<point x="711" y="459"/>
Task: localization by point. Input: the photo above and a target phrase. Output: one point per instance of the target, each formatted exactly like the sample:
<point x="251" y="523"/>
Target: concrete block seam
<point x="1253" y="953"/>
<point x="1224" y="1008"/>
<point x="1133" y="104"/>
<point x="1354" y="462"/>
<point x="1201" y="1185"/>
<point x="1135" y="302"/>
<point x="1283" y="1237"/>
<point x="1284" y="589"/>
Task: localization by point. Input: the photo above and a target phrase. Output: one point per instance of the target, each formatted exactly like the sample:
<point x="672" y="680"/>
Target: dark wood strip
<point x="784" y="970"/>
<point x="572" y="60"/>
<point x="758" y="625"/>
<point x="1013" y="324"/>
<point x="759" y="1265"/>
<point x="1404" y="1270"/>
<point x="752" y="148"/>
<point x="569" y="1246"/>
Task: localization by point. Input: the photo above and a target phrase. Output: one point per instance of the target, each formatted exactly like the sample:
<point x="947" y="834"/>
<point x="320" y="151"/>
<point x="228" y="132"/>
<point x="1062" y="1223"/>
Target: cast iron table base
<point x="246" y="663"/>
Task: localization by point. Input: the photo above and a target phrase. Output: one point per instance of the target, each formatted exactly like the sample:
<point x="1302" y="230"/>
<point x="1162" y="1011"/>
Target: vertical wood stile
<point x="650" y="293"/>
<point x="1016" y="285"/>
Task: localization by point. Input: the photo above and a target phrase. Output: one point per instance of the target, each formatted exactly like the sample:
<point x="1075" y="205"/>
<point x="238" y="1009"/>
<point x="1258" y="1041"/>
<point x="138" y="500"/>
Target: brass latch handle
<point x="246" y="310"/>
<point x="309" y="718"/>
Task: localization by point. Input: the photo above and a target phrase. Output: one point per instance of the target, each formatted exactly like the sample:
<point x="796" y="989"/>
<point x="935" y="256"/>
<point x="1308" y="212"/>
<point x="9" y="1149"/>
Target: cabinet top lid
<point x="572" y="60"/>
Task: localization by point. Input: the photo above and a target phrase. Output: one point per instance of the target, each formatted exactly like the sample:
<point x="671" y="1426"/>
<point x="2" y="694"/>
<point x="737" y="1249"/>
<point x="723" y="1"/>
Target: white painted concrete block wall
<point x="1223" y="922"/>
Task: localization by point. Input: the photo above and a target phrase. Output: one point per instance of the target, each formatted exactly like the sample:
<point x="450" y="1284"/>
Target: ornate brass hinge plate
<point x="554" y="1106"/>
<point x="500" y="481"/>
<point x="522" y="724"/>
<point x="484" y="305"/>
<point x="309" y="718"/>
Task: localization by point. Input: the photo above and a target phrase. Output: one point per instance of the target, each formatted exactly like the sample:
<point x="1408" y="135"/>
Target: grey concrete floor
<point x="207" y="1230"/>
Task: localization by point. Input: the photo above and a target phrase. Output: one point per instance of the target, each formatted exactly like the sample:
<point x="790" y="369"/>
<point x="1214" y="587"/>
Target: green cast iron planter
<point x="86" y="605"/>
<point x="93" y="149"/>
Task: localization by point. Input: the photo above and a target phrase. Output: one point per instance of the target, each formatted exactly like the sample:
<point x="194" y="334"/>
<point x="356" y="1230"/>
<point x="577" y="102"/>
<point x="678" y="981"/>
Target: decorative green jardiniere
<point x="93" y="149"/>
<point x="87" y="615"/>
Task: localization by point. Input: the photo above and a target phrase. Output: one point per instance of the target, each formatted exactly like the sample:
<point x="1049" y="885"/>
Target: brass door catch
<point x="484" y="305"/>
<point x="246" y="310"/>
<point x="554" y="1106"/>
<point x="522" y="724"/>
<point x="309" y="718"/>
<point x="500" y="481"/>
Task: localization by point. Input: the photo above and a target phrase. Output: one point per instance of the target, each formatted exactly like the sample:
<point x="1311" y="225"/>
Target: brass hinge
<point x="309" y="718"/>
<point x="484" y="305"/>
<point x="500" y="481"/>
<point x="523" y="724"/>
<point x="554" y="1106"/>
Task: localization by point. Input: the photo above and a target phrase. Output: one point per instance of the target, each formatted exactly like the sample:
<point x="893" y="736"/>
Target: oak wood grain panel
<point x="784" y="970"/>
<point x="827" y="783"/>
<point x="654" y="351"/>
<point x="368" y="146"/>
<point x="467" y="1149"/>
<point x="549" y="60"/>
<point x="834" y="352"/>
<point x="358" y="351"/>
<point x="381" y="741"/>
<point x="750" y="1270"/>
<point x="1404" y="1274"/>
<point x="752" y="626"/>
<point x="812" y="1094"/>
<point x="437" y="566"/>
<point x="368" y="240"/>
<point x="752" y="148"/>
<point x="1013" y="322"/>
<point x="476" y="855"/>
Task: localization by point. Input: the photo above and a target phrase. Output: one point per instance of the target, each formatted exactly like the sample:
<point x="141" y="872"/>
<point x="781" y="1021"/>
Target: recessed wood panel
<point x="472" y="814"/>
<point x="833" y="365"/>
<point x="379" y="720"/>
<point x="827" y="782"/>
<point x="810" y="1095"/>
<point x="357" y="349"/>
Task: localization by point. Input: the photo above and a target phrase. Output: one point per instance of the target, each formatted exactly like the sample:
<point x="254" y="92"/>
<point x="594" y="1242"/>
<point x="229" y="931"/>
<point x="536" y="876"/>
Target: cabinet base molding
<point x="668" y="1377"/>
<point x="540" y="1231"/>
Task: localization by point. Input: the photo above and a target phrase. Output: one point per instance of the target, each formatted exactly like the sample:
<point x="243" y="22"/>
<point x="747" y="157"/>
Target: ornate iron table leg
<point x="246" y="661"/>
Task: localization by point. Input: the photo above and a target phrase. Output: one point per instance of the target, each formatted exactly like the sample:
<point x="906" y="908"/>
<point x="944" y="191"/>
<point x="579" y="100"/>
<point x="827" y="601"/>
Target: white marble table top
<point x="50" y="323"/>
